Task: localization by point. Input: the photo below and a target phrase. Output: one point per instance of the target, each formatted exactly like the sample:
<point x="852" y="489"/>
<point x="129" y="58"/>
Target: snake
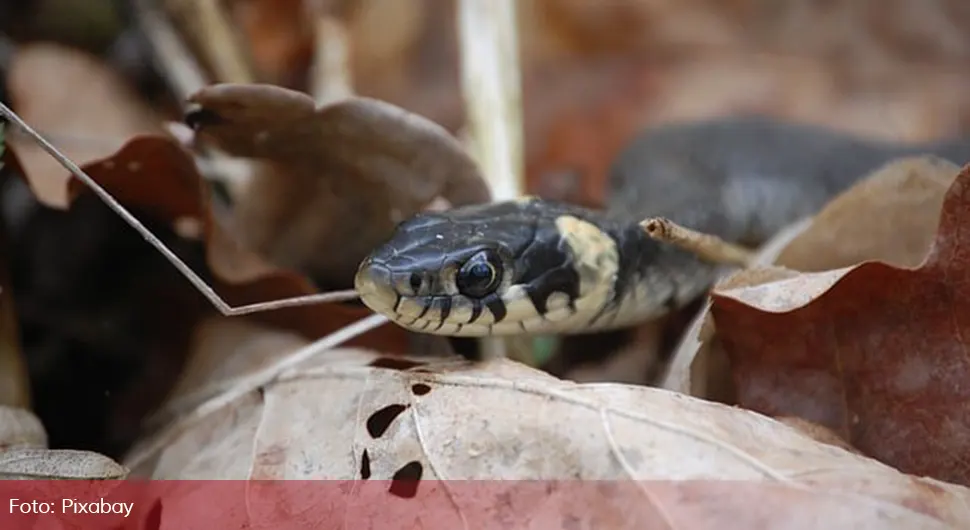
<point x="540" y="266"/>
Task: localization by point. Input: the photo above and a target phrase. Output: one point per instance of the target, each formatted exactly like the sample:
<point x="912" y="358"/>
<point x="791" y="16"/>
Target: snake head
<point x="526" y="266"/>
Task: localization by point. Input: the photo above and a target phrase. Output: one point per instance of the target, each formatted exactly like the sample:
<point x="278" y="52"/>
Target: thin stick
<point x="220" y="41"/>
<point x="491" y="85"/>
<point x="705" y="246"/>
<point x="184" y="75"/>
<point x="332" y="78"/>
<point x="145" y="233"/>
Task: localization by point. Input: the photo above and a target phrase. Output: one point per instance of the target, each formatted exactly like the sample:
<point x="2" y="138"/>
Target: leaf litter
<point x="325" y="168"/>
<point x="891" y="215"/>
<point x="506" y="375"/>
<point x="454" y="420"/>
<point x="873" y="351"/>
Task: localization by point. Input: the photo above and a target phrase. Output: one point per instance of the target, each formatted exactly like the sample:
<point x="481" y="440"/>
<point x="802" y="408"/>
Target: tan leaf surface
<point x="20" y="428"/>
<point x="352" y="412"/>
<point x="874" y="352"/>
<point x="337" y="177"/>
<point x="890" y="216"/>
<point x="35" y="463"/>
<point x="82" y="107"/>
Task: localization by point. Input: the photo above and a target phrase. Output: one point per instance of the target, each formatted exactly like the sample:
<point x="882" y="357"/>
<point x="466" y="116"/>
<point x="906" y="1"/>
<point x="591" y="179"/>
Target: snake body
<point x="538" y="266"/>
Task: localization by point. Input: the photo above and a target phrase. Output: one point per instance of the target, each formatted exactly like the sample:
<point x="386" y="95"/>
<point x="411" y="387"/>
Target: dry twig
<point x="332" y="79"/>
<point x="706" y="246"/>
<point x="143" y="231"/>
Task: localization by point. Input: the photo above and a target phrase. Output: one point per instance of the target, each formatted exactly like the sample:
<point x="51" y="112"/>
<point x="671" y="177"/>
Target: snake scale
<point x="536" y="266"/>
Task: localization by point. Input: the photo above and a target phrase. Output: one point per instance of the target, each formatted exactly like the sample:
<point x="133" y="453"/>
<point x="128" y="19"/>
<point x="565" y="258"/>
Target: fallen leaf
<point x="81" y="106"/>
<point x="698" y="366"/>
<point x="155" y="175"/>
<point x="36" y="464"/>
<point x="337" y="177"/>
<point x="815" y="432"/>
<point x="20" y="428"/>
<point x="890" y="216"/>
<point x="874" y="352"/>
<point x="108" y="320"/>
<point x="454" y="420"/>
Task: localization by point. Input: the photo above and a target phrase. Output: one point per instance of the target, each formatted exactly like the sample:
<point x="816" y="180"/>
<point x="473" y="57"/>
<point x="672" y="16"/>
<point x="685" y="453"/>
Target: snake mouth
<point x="390" y="293"/>
<point x="373" y="283"/>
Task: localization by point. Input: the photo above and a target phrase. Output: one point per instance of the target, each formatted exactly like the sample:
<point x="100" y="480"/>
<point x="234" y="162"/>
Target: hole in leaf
<point x="404" y="483"/>
<point x="365" y="465"/>
<point x="394" y="364"/>
<point x="378" y="422"/>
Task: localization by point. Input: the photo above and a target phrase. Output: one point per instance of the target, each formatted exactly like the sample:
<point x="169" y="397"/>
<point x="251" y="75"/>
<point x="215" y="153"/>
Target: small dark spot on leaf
<point x="420" y="389"/>
<point x="365" y="465"/>
<point x="404" y="483"/>
<point x="394" y="364"/>
<point x="202" y="117"/>
<point x="379" y="421"/>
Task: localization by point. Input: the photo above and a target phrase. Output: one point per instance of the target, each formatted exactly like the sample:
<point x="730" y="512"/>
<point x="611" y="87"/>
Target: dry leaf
<point x="24" y="453"/>
<point x="874" y="352"/>
<point x="83" y="108"/>
<point x="34" y="464"/>
<point x="337" y="177"/>
<point x="354" y="414"/>
<point x="698" y="366"/>
<point x="889" y="216"/>
<point x="111" y="319"/>
<point x="20" y="428"/>
<point x="156" y="176"/>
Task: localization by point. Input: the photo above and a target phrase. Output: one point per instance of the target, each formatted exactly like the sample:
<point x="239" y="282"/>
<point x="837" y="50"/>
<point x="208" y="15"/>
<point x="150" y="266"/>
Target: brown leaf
<point x="453" y="420"/>
<point x="155" y="175"/>
<point x="890" y="216"/>
<point x="337" y="177"/>
<point x="874" y="352"/>
<point x="83" y="107"/>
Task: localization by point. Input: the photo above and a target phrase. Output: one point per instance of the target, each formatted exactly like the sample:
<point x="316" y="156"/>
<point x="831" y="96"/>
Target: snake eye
<point x="480" y="275"/>
<point x="415" y="282"/>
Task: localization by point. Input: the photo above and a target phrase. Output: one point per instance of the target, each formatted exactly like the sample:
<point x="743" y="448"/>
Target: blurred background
<point x="89" y="74"/>
<point x="593" y="71"/>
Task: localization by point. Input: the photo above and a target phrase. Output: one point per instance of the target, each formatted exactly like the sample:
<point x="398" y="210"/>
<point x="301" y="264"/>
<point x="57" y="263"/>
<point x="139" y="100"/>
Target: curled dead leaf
<point x="890" y="216"/>
<point x="457" y="420"/>
<point x="336" y="177"/>
<point x="874" y="352"/>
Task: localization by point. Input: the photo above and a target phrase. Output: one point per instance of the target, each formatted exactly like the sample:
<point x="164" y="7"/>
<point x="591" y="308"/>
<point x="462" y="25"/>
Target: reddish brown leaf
<point x="337" y="177"/>
<point x="880" y="357"/>
<point x="155" y="175"/>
